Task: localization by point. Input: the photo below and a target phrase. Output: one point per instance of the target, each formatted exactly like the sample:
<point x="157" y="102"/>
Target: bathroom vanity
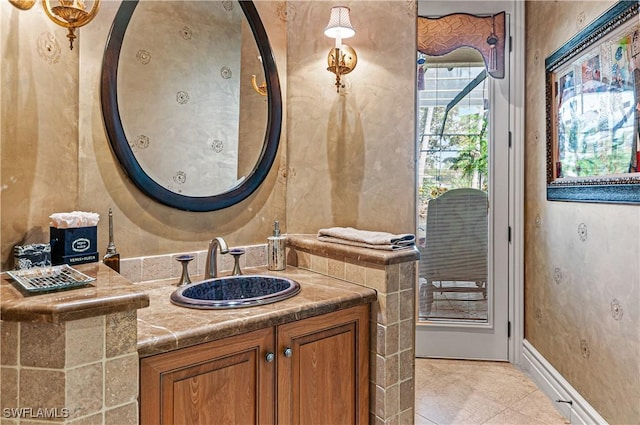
<point x="116" y="352"/>
<point x="300" y="359"/>
<point x="295" y="373"/>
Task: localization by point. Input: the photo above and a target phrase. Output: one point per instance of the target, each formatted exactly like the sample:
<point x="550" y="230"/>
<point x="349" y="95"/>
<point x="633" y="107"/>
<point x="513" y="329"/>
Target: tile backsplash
<point x="160" y="267"/>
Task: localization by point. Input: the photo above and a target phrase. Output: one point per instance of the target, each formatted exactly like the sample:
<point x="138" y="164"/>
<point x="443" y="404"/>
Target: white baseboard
<point x="557" y="388"/>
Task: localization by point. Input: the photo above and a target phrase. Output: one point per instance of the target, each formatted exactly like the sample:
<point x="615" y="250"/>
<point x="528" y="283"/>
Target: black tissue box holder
<point x="77" y="245"/>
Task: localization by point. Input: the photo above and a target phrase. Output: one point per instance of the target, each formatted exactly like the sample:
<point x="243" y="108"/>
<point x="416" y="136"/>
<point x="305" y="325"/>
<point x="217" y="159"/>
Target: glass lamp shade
<point x="339" y="25"/>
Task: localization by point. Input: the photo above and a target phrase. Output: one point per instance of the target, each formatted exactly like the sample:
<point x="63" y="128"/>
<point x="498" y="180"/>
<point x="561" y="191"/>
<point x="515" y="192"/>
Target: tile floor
<point x="467" y="392"/>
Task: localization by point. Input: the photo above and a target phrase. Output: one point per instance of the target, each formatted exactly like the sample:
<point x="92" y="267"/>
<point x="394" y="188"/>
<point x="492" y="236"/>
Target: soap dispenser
<point x="276" y="249"/>
<point x="112" y="258"/>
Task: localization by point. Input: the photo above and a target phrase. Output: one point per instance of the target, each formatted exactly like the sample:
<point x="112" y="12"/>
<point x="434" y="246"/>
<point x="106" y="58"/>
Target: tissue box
<point x="33" y="255"/>
<point x="76" y="245"/>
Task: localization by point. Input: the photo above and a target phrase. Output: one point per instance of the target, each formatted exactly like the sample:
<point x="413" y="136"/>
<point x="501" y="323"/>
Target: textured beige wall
<point x="39" y="125"/>
<point x="56" y="156"/>
<point x="582" y="272"/>
<point x="352" y="155"/>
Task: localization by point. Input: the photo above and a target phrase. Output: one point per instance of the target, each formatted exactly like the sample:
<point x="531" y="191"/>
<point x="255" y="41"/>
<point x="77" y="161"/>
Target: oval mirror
<point x="191" y="100"/>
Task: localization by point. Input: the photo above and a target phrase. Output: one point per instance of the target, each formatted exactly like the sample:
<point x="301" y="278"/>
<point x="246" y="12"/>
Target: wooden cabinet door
<point x="324" y="378"/>
<point x="224" y="382"/>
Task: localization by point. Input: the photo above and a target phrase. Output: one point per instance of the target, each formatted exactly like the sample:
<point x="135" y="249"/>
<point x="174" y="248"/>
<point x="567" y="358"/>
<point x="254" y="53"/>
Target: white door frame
<point x="516" y="172"/>
<point x="516" y="266"/>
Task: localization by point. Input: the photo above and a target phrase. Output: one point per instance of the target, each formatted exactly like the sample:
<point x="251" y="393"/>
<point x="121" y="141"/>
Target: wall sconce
<point x="342" y="59"/>
<point x="70" y="14"/>
<point x="260" y="89"/>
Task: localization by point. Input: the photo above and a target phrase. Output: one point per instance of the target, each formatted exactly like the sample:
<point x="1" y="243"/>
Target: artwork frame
<point x="593" y="111"/>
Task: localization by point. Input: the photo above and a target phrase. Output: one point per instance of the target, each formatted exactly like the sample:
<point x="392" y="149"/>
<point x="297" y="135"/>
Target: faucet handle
<point x="184" y="260"/>
<point x="237" y="253"/>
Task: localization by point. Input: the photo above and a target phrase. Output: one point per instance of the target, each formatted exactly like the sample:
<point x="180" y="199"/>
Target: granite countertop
<point x="164" y="326"/>
<point x="375" y="256"/>
<point x="109" y="293"/>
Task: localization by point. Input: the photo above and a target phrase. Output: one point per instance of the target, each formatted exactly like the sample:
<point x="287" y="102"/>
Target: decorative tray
<point x="53" y="278"/>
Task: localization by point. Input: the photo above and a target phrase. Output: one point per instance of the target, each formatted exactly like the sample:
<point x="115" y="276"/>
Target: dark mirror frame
<point x="120" y="145"/>
<point x="606" y="189"/>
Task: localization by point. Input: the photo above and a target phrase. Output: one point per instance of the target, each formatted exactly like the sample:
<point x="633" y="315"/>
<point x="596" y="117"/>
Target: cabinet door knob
<point x="270" y="357"/>
<point x="288" y="352"/>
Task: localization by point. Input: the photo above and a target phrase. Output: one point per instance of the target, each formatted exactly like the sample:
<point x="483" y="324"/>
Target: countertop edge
<point x="109" y="293"/>
<point x="375" y="256"/>
<point x="164" y="327"/>
<point x="216" y="332"/>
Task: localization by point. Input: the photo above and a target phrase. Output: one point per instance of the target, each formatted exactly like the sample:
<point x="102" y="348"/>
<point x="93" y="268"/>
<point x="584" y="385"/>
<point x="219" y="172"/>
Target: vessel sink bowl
<point x="235" y="292"/>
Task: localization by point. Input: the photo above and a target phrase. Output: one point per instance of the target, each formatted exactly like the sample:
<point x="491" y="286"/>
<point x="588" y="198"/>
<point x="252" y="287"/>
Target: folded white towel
<point x="366" y="238"/>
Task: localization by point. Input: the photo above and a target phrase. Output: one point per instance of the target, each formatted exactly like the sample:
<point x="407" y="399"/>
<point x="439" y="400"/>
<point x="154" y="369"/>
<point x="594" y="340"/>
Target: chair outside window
<point x="453" y="257"/>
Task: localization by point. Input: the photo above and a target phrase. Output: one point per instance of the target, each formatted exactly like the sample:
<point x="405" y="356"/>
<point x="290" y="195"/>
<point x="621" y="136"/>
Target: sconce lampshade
<point x="342" y="59"/>
<point x="339" y="25"/>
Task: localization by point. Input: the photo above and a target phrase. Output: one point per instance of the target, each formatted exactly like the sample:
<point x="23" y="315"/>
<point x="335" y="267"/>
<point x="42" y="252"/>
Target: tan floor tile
<point x="463" y="392"/>
<point x="538" y="405"/>
<point x="511" y="417"/>
<point x="421" y="420"/>
<point x="454" y="409"/>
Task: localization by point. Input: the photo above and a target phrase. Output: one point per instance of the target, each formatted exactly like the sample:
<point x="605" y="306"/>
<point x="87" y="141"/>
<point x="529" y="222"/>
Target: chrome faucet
<point x="211" y="266"/>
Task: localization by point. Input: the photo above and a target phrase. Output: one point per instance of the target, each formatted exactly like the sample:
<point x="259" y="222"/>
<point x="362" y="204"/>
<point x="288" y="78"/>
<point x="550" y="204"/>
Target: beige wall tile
<point x="392" y="369"/>
<point x="256" y="255"/>
<point x="379" y="309"/>
<point x="42" y="388"/>
<point x="84" y="341"/>
<point x="407" y="417"/>
<point x="8" y="387"/>
<point x="392" y="401"/>
<point x="407" y="276"/>
<point x="375" y="420"/>
<point x="121" y="333"/>
<point x="42" y="345"/>
<point x="96" y="419"/>
<point x="156" y="267"/>
<point x="319" y="264"/>
<point x="9" y="337"/>
<point x="407" y="365"/>
<point x="121" y="380"/>
<point x="393" y="308"/>
<point x="407" y="335"/>
<point x="376" y="278"/>
<point x="393" y="277"/>
<point x="131" y="268"/>
<point x="122" y="415"/>
<point x="377" y="394"/>
<point x="355" y="271"/>
<point x="378" y="369"/>
<point x="84" y="390"/>
<point x="392" y="339"/>
<point x="407" y="309"/>
<point x="407" y="399"/>
<point x="300" y="258"/>
<point x="336" y="267"/>
<point x="377" y="340"/>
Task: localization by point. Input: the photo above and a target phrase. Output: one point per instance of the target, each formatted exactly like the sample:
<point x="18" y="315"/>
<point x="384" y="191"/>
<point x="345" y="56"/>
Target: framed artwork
<point x="593" y="111"/>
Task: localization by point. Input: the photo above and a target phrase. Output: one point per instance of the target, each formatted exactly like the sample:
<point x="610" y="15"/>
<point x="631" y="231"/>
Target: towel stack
<point x="366" y="239"/>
